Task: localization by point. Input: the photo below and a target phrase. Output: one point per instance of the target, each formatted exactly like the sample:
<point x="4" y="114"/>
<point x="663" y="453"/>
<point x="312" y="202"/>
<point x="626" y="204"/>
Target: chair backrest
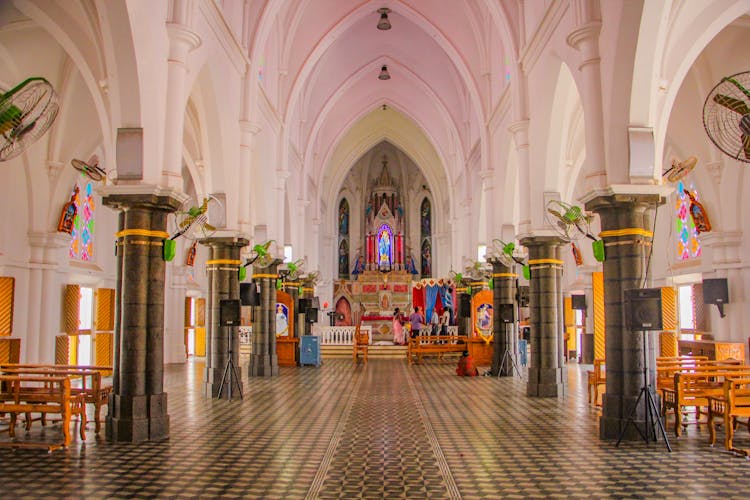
<point x="361" y="338"/>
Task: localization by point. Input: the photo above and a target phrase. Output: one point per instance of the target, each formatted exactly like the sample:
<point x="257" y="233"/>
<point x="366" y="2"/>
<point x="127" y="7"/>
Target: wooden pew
<point x="435" y="344"/>
<point x="665" y="369"/>
<point x="731" y="406"/>
<point x="95" y="392"/>
<point x="694" y="388"/>
<point x="596" y="377"/>
<point x="46" y="394"/>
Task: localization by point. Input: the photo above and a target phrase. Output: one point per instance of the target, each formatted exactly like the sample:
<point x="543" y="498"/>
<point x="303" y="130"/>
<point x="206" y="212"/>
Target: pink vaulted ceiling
<point x="437" y="53"/>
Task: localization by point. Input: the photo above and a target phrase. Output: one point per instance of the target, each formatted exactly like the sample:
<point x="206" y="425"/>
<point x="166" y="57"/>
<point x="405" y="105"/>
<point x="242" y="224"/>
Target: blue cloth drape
<point x="431" y="293"/>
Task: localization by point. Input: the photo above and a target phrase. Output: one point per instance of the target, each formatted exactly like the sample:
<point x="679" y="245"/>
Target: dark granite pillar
<point x="138" y="404"/>
<point x="506" y="334"/>
<point x="264" y="361"/>
<point x="223" y="267"/>
<point x="547" y="376"/>
<point x="626" y="223"/>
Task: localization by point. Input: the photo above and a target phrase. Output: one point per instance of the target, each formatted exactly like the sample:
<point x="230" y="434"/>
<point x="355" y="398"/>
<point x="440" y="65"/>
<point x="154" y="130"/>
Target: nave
<point x="382" y="430"/>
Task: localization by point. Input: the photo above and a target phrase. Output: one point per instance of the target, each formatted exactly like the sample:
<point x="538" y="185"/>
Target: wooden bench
<point x="435" y="344"/>
<point x="731" y="406"/>
<point x="694" y="388"/>
<point x="46" y="394"/>
<point x="665" y="369"/>
<point x="596" y="377"/>
<point x="94" y="391"/>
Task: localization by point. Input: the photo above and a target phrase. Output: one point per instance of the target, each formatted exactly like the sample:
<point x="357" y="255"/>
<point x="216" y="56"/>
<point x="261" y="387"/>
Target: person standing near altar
<point x="434" y="323"/>
<point x="416" y="322"/>
<point x="398" y="328"/>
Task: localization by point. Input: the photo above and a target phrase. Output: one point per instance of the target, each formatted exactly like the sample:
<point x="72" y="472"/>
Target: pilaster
<point x="506" y="334"/>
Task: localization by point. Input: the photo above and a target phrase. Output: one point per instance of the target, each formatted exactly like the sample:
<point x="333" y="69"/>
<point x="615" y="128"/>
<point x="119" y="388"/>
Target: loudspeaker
<point x="464" y="305"/>
<point x="522" y="295"/>
<point x="643" y="309"/>
<point x="506" y="312"/>
<point x="229" y="312"/>
<point x="715" y="291"/>
<point x="303" y="305"/>
<point x="249" y="295"/>
<point x="578" y="302"/>
<point x="311" y="315"/>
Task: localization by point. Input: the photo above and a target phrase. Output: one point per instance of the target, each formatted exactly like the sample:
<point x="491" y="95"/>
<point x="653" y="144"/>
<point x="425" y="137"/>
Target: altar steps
<point x="374" y="351"/>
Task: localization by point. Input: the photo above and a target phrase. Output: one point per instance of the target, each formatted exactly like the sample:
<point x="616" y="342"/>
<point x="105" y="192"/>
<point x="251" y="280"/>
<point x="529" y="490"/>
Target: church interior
<point x="248" y="242"/>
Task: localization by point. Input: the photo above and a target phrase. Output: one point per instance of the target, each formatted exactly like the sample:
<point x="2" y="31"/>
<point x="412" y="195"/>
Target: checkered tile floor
<point x="383" y="430"/>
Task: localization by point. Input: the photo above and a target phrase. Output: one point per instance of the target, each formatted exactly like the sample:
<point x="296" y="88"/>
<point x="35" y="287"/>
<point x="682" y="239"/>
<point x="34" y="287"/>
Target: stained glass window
<point x="385" y="241"/>
<point x="688" y="243"/>
<point x="82" y="244"/>
<point x="425" y="215"/>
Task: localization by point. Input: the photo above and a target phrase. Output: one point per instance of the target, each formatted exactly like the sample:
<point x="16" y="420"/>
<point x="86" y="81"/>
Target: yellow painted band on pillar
<point x="224" y="261"/>
<point x="628" y="231"/>
<point x="142" y="232"/>
<point x="305" y="289"/>
<point x="504" y="275"/>
<point x="270" y="276"/>
<point x="545" y="261"/>
<point x="461" y="290"/>
<point x="141" y="242"/>
<point x="290" y="283"/>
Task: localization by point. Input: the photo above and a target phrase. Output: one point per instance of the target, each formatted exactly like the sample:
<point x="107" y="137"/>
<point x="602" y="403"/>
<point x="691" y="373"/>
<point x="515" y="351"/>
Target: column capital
<point x="224" y="241"/>
<point x="582" y="33"/>
<point x="626" y="194"/>
<point x="123" y="197"/>
<point x="539" y="240"/>
<point x="182" y="39"/>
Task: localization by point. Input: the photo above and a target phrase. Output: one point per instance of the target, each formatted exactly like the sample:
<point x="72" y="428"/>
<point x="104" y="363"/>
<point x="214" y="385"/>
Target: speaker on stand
<point x="229" y="316"/>
<point x="508" y="361"/>
<point x="643" y="314"/>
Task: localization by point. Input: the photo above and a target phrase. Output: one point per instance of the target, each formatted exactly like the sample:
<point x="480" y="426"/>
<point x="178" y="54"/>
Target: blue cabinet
<point x="309" y="350"/>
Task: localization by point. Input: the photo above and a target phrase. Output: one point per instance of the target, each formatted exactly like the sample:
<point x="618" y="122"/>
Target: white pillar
<point x="520" y="131"/>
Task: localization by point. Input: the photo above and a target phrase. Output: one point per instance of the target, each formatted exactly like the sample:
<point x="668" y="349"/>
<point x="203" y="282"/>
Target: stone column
<point x="264" y="361"/>
<point x="547" y="377"/>
<point x="138" y="403"/>
<point x="506" y="334"/>
<point x="626" y="222"/>
<point x="223" y="267"/>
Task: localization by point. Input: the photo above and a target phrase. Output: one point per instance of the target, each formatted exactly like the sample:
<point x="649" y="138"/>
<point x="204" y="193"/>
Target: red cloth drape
<point x="417" y="300"/>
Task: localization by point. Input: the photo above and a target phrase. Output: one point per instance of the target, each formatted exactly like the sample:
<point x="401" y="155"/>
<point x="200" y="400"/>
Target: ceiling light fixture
<point x="384" y="23"/>
<point x="384" y="75"/>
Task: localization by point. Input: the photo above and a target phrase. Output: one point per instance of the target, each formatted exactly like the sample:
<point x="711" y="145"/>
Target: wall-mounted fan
<point x="90" y="168"/>
<point x="292" y="270"/>
<point x="508" y="254"/>
<point x="726" y="116"/>
<point x="261" y="254"/>
<point x="194" y="221"/>
<point x="680" y="169"/>
<point x="572" y="223"/>
<point x="26" y="112"/>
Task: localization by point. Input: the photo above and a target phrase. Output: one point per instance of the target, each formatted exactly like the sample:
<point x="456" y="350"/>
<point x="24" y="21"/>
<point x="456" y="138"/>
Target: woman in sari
<point x="398" y="328"/>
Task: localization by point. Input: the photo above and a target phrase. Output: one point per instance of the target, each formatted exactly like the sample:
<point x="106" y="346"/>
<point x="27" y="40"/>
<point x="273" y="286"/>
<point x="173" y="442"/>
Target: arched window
<point x="343" y="239"/>
<point x="425" y="217"/>
<point x="82" y="244"/>
<point x="385" y="247"/>
<point x="688" y="243"/>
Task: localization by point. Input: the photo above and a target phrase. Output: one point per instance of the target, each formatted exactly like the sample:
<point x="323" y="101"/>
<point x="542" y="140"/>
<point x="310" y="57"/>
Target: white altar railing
<point x="338" y="335"/>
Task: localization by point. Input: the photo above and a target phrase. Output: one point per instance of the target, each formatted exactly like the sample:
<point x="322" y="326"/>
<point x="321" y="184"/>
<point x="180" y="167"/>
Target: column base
<point x="546" y="383"/>
<point x="263" y="365"/>
<point x="134" y="419"/>
<point x="616" y="409"/>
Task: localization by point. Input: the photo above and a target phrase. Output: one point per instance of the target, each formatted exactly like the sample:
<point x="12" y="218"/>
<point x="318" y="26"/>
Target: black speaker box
<point x="464" y="305"/>
<point x="229" y="312"/>
<point x="506" y="313"/>
<point x="303" y="305"/>
<point x="643" y="309"/>
<point x="523" y="296"/>
<point x="311" y="315"/>
<point x="715" y="291"/>
<point x="249" y="295"/>
<point x="578" y="302"/>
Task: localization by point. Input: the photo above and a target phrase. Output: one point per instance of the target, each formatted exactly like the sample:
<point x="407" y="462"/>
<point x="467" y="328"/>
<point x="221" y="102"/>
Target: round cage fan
<point x="506" y="252"/>
<point x="261" y="254"/>
<point x="293" y="270"/>
<point x="572" y="223"/>
<point x="26" y="112"/>
<point x="726" y="116"/>
<point x="90" y="168"/>
<point x="680" y="169"/>
<point x="196" y="221"/>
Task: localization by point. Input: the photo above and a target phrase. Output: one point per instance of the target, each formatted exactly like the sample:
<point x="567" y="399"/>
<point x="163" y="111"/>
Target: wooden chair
<point x="361" y="343"/>
<point x="596" y="377"/>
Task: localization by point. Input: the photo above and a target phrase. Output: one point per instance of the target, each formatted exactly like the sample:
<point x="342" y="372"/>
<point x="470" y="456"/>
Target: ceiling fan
<point x="26" y="113"/>
<point x="726" y="116"/>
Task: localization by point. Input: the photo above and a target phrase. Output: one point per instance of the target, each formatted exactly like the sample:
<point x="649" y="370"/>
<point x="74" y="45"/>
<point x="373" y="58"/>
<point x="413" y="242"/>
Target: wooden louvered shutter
<point x="66" y="347"/>
<point x="7" y="286"/>
<point x="700" y="313"/>
<point x="599" y="320"/>
<point x="188" y="311"/>
<point x="668" y="337"/>
<point x="71" y="309"/>
<point x="200" y="312"/>
<point x="105" y="310"/>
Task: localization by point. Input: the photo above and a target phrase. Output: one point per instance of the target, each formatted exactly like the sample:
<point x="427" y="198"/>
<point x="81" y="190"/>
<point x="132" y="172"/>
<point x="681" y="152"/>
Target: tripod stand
<point x="230" y="372"/>
<point x="651" y="416"/>
<point x="507" y="356"/>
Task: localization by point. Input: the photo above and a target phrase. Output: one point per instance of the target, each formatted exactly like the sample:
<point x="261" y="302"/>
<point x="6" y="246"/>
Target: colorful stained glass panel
<point x="82" y="244"/>
<point x="688" y="243"/>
